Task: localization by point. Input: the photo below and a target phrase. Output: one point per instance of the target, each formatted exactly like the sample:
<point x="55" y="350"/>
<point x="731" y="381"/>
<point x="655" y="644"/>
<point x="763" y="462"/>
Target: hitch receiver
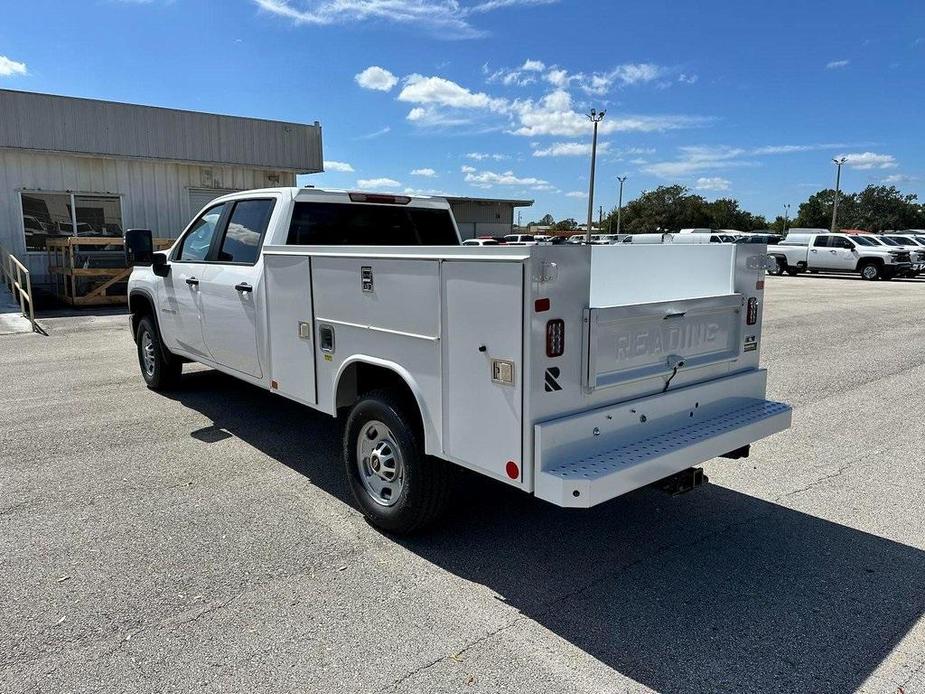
<point x="737" y="453"/>
<point x="682" y="482"/>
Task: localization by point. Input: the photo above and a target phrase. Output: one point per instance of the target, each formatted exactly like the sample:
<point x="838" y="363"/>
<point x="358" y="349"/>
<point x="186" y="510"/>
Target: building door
<point x="200" y="197"/>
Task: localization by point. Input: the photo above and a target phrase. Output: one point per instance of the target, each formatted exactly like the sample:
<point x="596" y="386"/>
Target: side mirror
<point x="139" y="247"/>
<point x="159" y="265"/>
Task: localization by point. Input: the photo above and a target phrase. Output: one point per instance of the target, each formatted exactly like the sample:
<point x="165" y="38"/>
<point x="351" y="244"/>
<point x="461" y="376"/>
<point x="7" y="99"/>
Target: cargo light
<point x="380" y="198"/>
<point x="541" y="305"/>
<point x="555" y="337"/>
<point x="751" y="314"/>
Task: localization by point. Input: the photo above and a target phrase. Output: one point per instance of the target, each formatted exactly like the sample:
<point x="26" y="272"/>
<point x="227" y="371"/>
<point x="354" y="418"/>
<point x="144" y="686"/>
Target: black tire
<point x="423" y="492"/>
<point x="792" y="271"/>
<point x="779" y="266"/>
<point x="871" y="271"/>
<point x="160" y="369"/>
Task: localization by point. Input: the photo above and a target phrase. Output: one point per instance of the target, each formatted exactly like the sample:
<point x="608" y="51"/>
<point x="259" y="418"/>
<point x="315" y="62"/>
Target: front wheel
<point x="159" y="368"/>
<point x="396" y="486"/>
<point x="777" y="266"/>
<point x="871" y="272"/>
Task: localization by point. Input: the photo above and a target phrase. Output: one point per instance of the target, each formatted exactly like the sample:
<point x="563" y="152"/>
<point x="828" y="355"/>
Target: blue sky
<point x="486" y="97"/>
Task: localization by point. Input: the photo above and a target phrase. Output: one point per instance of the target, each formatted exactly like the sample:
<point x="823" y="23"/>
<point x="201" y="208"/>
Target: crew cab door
<point x="842" y="253"/>
<point x="231" y="292"/>
<point x="178" y="294"/>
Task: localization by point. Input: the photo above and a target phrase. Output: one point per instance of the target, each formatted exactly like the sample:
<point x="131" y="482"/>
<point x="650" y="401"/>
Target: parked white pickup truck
<point x="575" y="373"/>
<point x="839" y="253"/>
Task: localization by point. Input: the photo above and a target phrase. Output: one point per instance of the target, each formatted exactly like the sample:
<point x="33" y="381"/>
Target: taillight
<point x="751" y="314"/>
<point x="555" y="337"/>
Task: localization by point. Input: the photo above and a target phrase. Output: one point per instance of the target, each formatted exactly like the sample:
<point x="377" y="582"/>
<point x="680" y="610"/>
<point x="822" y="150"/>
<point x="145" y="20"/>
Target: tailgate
<point x="629" y="343"/>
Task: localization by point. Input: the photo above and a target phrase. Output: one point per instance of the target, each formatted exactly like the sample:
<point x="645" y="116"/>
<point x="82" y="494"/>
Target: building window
<point x="55" y="215"/>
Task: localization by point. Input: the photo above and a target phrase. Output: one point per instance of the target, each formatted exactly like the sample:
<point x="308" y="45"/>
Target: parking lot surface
<point x="204" y="540"/>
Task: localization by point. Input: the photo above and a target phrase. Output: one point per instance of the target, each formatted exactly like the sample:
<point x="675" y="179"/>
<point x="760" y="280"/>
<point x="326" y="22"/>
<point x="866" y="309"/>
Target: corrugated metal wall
<point x="65" y="124"/>
<point x="469" y="212"/>
<point x="155" y="195"/>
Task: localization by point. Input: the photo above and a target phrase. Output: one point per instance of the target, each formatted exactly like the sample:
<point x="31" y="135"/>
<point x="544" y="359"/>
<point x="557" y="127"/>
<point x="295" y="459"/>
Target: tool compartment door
<point x="628" y="343"/>
<point x="483" y="332"/>
<point x="290" y="326"/>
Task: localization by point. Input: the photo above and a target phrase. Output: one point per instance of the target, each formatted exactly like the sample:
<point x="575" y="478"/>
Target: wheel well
<point x="139" y="305"/>
<point x="359" y="378"/>
<point x="869" y="261"/>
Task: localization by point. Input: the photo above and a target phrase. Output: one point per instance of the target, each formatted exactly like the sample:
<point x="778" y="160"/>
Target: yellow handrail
<point x="19" y="280"/>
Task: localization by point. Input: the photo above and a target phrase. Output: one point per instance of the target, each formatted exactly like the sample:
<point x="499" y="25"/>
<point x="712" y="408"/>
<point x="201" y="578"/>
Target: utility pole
<point x="786" y="218"/>
<point x="620" y="203"/>
<point x="838" y="163"/>
<point x="600" y="217"/>
<point x="595" y="117"/>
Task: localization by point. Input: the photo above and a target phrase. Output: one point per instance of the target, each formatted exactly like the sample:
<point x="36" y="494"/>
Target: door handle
<point x="192" y="281"/>
<point x="244" y="287"/>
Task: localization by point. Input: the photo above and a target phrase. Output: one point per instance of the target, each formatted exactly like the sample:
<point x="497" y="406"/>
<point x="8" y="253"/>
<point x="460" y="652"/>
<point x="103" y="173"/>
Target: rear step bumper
<point x="586" y="459"/>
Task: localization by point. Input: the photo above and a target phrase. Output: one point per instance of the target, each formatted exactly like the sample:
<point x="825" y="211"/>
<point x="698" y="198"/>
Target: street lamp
<point x="838" y="163"/>
<point x="620" y="203"/>
<point x="595" y="117"/>
<point x="786" y="218"/>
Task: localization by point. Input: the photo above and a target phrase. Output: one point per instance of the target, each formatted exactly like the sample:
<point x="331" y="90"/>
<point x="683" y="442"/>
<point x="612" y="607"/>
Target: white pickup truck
<point x="575" y="373"/>
<point x="826" y="252"/>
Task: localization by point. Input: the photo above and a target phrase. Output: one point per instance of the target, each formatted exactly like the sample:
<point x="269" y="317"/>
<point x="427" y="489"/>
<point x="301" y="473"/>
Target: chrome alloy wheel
<point x="869" y="272"/>
<point x="147" y="353"/>
<point x="379" y="460"/>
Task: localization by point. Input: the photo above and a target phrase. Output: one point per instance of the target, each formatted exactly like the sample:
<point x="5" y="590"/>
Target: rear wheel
<point x="159" y="368"/>
<point x="396" y="486"/>
<point x="871" y="271"/>
<point x="778" y="266"/>
<point x="792" y="271"/>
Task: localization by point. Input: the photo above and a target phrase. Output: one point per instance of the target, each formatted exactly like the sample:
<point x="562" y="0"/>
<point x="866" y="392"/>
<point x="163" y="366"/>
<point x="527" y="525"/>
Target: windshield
<point x="865" y="241"/>
<point x="907" y="240"/>
<point x="888" y="241"/>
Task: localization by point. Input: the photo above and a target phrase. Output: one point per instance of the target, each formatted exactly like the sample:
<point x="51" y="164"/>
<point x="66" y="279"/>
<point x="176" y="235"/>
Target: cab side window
<point x="839" y="242"/>
<point x="821" y="241"/>
<point x="195" y="245"/>
<point x="244" y="233"/>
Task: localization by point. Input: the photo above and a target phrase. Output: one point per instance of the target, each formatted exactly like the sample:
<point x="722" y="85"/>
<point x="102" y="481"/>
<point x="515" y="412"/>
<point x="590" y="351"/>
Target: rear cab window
<point x="345" y="224"/>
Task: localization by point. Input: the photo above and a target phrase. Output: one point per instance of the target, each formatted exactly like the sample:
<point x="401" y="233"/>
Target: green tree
<point x="565" y="225"/>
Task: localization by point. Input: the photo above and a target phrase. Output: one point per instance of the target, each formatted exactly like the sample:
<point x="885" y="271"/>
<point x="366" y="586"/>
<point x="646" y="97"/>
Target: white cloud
<point x="869" y="160"/>
<point x="377" y="78"/>
<point x="426" y="172"/>
<point x="577" y="194"/>
<point x="482" y="156"/>
<point x="790" y="149"/>
<point x="571" y="149"/>
<point x="557" y="77"/>
<point x="835" y="64"/>
<point x="507" y="178"/>
<point x="554" y="115"/>
<point x="339" y="166"/>
<point x="378" y="183"/>
<point x="698" y="159"/>
<point x="447" y="19"/>
<point x="430" y="116"/>
<point x="467" y="169"/>
<point x="533" y="66"/>
<point x="688" y="79"/>
<point x="443" y="92"/>
<point x="714" y="183"/>
<point x="369" y="136"/>
<point x="11" y="68"/>
<point x="898" y="178"/>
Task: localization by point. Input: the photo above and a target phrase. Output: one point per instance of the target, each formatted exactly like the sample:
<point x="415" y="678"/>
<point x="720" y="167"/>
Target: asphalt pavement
<point x="205" y="541"/>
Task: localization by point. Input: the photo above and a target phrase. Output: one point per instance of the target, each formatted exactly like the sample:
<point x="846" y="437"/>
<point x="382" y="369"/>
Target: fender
<point x="432" y="442"/>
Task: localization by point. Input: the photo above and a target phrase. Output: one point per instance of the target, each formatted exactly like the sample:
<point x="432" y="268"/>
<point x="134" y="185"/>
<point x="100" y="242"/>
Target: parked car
<point x="480" y="242"/>
<point x="915" y="249"/>
<point x="826" y="252"/>
<point x="520" y="240"/>
<point x="539" y="367"/>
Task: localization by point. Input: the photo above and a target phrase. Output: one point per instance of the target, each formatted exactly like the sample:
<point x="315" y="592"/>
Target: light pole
<point x="838" y="163"/>
<point x="620" y="203"/>
<point x="786" y="218"/>
<point x="595" y="117"/>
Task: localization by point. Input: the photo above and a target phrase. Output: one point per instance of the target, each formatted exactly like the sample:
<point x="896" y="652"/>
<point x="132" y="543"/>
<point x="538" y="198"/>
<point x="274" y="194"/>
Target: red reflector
<point x="751" y="316"/>
<point x="759" y="284"/>
<point x="541" y="305"/>
<point x="555" y="337"/>
<point x="512" y="470"/>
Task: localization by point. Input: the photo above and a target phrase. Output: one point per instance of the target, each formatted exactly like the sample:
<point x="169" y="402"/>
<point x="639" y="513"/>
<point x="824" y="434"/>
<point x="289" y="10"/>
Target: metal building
<point x="485" y="216"/>
<point x="95" y="168"/>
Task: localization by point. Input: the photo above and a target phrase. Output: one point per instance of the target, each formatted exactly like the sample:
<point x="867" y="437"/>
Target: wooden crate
<point x="89" y="286"/>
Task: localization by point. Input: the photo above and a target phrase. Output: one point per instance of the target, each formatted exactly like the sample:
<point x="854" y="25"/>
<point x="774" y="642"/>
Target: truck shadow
<point x="712" y="591"/>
